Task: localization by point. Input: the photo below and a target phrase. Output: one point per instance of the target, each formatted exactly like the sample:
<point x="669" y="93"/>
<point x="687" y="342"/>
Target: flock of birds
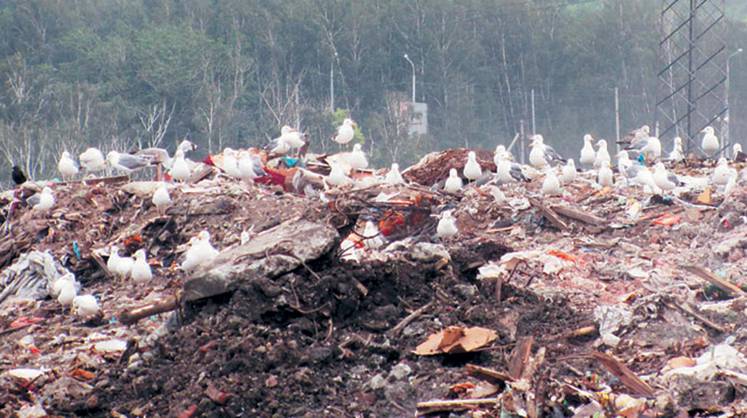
<point x="632" y="165"/>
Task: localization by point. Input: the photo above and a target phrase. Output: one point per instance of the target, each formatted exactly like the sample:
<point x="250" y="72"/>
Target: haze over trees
<point x="122" y="74"/>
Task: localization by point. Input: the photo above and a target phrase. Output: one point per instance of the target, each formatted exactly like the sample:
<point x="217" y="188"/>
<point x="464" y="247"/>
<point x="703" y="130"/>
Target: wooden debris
<point x="456" y="404"/>
<point x="476" y="370"/>
<point x="456" y="340"/>
<point x="626" y="376"/>
<point x="409" y="318"/>
<point x="133" y="315"/>
<point x="520" y="357"/>
<point x="708" y="276"/>
<point x="579" y="215"/>
<point x="549" y="214"/>
<point x="688" y="310"/>
<point x="578" y="332"/>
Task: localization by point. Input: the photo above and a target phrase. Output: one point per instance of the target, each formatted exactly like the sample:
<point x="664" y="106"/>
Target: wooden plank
<point x="549" y="214"/>
<point x="626" y="376"/>
<point x="708" y="276"/>
<point x="579" y="215"/>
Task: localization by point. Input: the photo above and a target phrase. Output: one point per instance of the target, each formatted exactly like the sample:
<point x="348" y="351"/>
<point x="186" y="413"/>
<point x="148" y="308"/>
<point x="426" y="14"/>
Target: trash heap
<point x="343" y="302"/>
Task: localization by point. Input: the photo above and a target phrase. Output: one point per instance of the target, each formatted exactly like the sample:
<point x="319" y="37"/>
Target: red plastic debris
<point x="272" y="178"/>
<point x="189" y="412"/>
<point x="216" y="395"/>
<point x="209" y="161"/>
<point x="667" y="219"/>
<point x="25" y="321"/>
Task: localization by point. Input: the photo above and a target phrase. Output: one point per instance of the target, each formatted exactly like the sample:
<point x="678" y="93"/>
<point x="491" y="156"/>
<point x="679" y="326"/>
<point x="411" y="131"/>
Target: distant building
<point x="417" y="116"/>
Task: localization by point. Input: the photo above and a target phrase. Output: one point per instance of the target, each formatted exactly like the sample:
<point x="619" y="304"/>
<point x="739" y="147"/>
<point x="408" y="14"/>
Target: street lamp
<point x="727" y="140"/>
<point x="332" y="84"/>
<point x="413" y="77"/>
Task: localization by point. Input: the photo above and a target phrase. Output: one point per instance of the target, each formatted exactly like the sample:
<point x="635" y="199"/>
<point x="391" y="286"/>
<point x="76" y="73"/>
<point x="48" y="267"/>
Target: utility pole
<point x="522" y="150"/>
<point x="413" y="77"/>
<point x="534" y="120"/>
<point x="332" y="84"/>
<point x="617" y="118"/>
<point x="727" y="134"/>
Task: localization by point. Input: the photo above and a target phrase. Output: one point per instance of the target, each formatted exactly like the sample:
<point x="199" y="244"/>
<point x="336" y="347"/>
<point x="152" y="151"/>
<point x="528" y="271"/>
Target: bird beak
<point x="355" y="125"/>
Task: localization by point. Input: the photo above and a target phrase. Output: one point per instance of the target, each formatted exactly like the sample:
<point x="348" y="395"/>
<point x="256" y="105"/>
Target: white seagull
<point x="604" y="174"/>
<point x="345" y="132"/>
<point x="125" y="162"/>
<point x="92" y="160"/>
<point x="249" y="168"/>
<point x="140" y="268"/>
<point x="646" y="180"/>
<point x="588" y="155"/>
<point x="179" y="168"/>
<point x="678" y="153"/>
<point x="337" y="176"/>
<point x="291" y="136"/>
<point x="541" y="153"/>
<point x="46" y="200"/>
<point x="551" y="184"/>
<point x="85" y="306"/>
<point x="393" y="176"/>
<point x="736" y="149"/>
<point x="569" y="172"/>
<point x="230" y="163"/>
<point x="623" y="162"/>
<point x="67" y="166"/>
<point x="710" y="144"/>
<point x="503" y="171"/>
<point x="501" y="154"/>
<point x="200" y="252"/>
<point x="722" y="173"/>
<point x="67" y="293"/>
<point x="161" y="198"/>
<point x="357" y="158"/>
<point x="663" y="179"/>
<point x="446" y="225"/>
<point x="454" y="183"/>
<point x="498" y="196"/>
<point x="472" y="170"/>
<point x="602" y="154"/>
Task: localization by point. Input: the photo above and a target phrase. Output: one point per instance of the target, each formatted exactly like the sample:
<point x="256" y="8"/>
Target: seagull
<point x="551" y="184"/>
<point x="501" y="154"/>
<point x="249" y="168"/>
<point x="735" y="151"/>
<point x="345" y="132"/>
<point x="279" y="146"/>
<point x="66" y="166"/>
<point x="85" y="306"/>
<point x="161" y="198"/>
<point x="446" y="225"/>
<point x="46" y="200"/>
<point x="604" y="174"/>
<point x="650" y="147"/>
<point x="634" y="136"/>
<point x="372" y="236"/>
<point x="200" y="252"/>
<point x="498" y="196"/>
<point x="623" y="162"/>
<point x="140" y="268"/>
<point x="454" y="182"/>
<point x="602" y="154"/>
<point x="291" y="137"/>
<point x="393" y="176"/>
<point x="710" y="143"/>
<point x="663" y="179"/>
<point x="646" y="179"/>
<point x="542" y="153"/>
<point x="722" y="173"/>
<point x="569" y="172"/>
<point x="19" y="178"/>
<point x="472" y="170"/>
<point x="357" y="158"/>
<point x="119" y="266"/>
<point x="503" y="171"/>
<point x="230" y="163"/>
<point x="179" y="168"/>
<point x="92" y="160"/>
<point x="54" y="291"/>
<point x="337" y="176"/>
<point x="677" y="153"/>
<point x="67" y="293"/>
<point x="588" y="156"/>
<point x="161" y="156"/>
<point x="125" y="162"/>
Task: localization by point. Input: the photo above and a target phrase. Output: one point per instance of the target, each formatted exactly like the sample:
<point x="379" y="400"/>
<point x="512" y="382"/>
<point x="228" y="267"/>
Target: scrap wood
<point x="456" y="404"/>
<point x="578" y="332"/>
<point x="133" y="315"/>
<point x="476" y="370"/>
<point x="409" y="318"/>
<point x="622" y="372"/>
<point x="708" y="276"/>
<point x="686" y="309"/>
<point x="456" y="339"/>
<point x="578" y="215"/>
<point x="520" y="357"/>
<point x="549" y="214"/>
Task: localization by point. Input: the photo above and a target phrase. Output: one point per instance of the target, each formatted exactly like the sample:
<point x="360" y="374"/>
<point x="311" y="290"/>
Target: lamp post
<point x="727" y="140"/>
<point x="413" y="77"/>
<point x="332" y="84"/>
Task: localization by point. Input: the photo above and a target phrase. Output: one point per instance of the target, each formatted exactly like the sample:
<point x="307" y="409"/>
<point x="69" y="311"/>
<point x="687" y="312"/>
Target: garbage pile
<point x="351" y="300"/>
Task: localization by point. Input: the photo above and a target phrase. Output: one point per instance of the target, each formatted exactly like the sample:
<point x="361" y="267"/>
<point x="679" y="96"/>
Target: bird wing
<point x="157" y="155"/>
<point x="517" y="173"/>
<point x="133" y="162"/>
<point x="552" y="155"/>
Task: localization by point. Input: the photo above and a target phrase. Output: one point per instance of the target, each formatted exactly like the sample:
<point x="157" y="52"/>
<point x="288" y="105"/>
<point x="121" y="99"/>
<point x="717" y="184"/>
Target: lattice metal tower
<point x="692" y="81"/>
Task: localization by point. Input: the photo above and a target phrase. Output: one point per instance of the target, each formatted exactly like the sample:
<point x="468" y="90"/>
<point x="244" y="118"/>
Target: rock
<point x="466" y="291"/>
<point x="377" y="382"/>
<point x="400" y="371"/>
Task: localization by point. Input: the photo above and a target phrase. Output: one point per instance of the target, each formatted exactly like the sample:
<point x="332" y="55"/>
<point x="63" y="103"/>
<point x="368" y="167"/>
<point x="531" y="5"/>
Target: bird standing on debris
<point x="200" y="252"/>
<point x="453" y="184"/>
<point x="551" y="184"/>
<point x="710" y="143"/>
<point x="472" y="170"/>
<point x="498" y="196"/>
<point x="126" y="163"/>
<point x="446" y="225"/>
<point x="736" y="149"/>
<point x="646" y="180"/>
<point x="291" y="136"/>
<point x="678" y="153"/>
<point x="588" y="155"/>
<point x="67" y="293"/>
<point x="337" y="176"/>
<point x="92" y="160"/>
<point x="86" y="306"/>
<point x="569" y="172"/>
<point x="650" y="148"/>
<point x="46" y="200"/>
<point x="722" y="173"/>
<point x="663" y="179"/>
<point x="537" y="154"/>
<point x="118" y="265"/>
<point x="602" y="154"/>
<point x="230" y="163"/>
<point x="66" y="166"/>
<point x="161" y="198"/>
<point x="357" y="158"/>
<point x="394" y="177"/>
<point x="140" y="268"/>
<point x="372" y="236"/>
<point x="179" y="168"/>
<point x="57" y="285"/>
<point x="345" y="132"/>
<point x="249" y="169"/>
<point x="17" y="175"/>
<point x="604" y="174"/>
<point x="501" y="154"/>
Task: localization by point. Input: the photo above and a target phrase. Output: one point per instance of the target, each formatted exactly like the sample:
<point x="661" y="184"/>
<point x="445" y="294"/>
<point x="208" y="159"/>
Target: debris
<point x="626" y="376"/>
<point x="708" y="276"/>
<point x="456" y="340"/>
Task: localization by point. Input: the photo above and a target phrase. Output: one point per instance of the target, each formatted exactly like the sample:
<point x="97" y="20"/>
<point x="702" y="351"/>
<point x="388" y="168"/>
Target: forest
<point x="123" y="74"/>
